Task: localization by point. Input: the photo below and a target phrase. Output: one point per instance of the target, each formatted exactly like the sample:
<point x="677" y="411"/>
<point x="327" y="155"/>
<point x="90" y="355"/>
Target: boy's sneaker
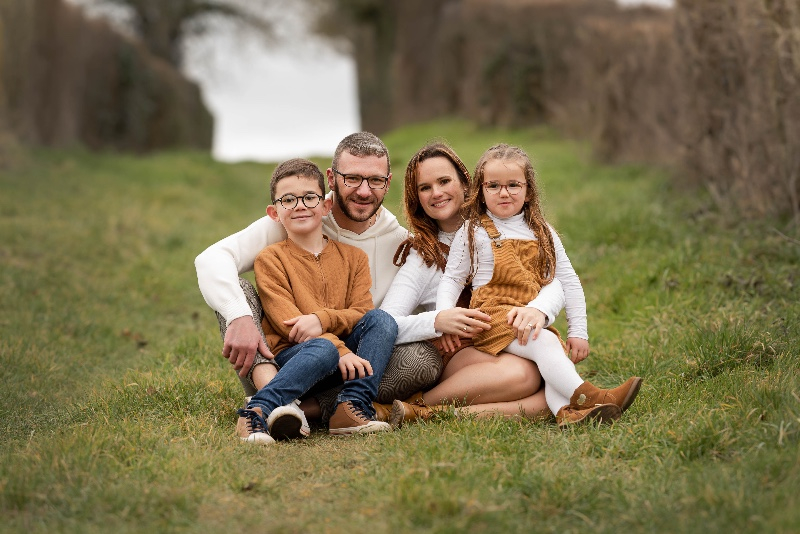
<point x="288" y="422"/>
<point x="252" y="428"/>
<point x="349" y="419"/>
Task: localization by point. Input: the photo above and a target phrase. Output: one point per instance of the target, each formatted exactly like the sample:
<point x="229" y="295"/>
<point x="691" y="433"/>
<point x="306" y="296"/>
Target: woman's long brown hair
<point x="424" y="229"/>
<point x="475" y="206"/>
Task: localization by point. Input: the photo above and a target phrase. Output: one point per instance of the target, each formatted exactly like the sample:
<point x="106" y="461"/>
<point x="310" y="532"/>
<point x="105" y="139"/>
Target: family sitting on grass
<point x="489" y="272"/>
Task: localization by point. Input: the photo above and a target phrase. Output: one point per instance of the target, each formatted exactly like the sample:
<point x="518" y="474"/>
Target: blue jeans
<point x="371" y="339"/>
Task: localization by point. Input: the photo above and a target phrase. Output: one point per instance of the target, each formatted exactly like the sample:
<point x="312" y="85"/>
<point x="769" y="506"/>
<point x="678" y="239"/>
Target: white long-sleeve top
<point x="415" y="285"/>
<point x="515" y="227"/>
<point x="219" y="266"/>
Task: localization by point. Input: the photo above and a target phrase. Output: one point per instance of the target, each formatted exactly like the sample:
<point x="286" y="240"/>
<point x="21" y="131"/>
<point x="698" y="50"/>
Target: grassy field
<point x="117" y="410"/>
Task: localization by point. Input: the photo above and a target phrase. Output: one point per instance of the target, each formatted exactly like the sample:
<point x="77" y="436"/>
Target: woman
<point x="436" y="183"/>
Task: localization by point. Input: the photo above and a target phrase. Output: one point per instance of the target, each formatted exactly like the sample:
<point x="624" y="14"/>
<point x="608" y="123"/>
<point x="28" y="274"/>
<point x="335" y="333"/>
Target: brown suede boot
<point x="604" y="413"/>
<point x="405" y="412"/>
<point x="382" y="411"/>
<point x="587" y="395"/>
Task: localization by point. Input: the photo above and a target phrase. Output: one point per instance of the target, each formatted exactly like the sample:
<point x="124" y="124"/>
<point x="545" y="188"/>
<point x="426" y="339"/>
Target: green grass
<point x="117" y="410"/>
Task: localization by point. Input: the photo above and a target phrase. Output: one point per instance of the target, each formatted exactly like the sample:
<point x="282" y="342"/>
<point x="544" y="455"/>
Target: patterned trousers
<point x="413" y="367"/>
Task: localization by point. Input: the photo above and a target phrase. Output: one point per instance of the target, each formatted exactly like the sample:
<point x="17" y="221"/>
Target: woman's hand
<point x="463" y="322"/>
<point x="526" y="322"/>
<point x="353" y="367"/>
<point x="577" y="349"/>
<point x="304" y="327"/>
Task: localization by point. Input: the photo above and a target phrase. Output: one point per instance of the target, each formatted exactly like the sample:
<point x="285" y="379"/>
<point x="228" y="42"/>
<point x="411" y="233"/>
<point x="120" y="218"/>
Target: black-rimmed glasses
<point x="355" y="180"/>
<point x="289" y="201"/>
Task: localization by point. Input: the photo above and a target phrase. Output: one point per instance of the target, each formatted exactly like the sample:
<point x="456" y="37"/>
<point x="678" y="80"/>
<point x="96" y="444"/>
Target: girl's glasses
<point x="289" y="201"/>
<point x="512" y="188"/>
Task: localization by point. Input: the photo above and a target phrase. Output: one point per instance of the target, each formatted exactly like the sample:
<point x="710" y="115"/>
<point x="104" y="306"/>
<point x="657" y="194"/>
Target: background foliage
<point x="67" y="81"/>
<point x="709" y="89"/>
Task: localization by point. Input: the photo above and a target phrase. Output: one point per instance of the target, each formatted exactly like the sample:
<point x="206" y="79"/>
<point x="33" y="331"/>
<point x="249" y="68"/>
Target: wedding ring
<point x="530" y="325"/>
<point x="465" y="329"/>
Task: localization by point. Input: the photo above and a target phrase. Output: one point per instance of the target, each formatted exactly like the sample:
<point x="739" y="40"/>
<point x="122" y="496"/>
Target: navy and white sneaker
<point x="252" y="428"/>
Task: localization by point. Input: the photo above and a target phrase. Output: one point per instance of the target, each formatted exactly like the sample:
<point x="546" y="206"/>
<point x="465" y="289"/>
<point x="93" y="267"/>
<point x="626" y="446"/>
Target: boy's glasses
<point x="355" y="180"/>
<point x="512" y="188"/>
<point x="289" y="201"/>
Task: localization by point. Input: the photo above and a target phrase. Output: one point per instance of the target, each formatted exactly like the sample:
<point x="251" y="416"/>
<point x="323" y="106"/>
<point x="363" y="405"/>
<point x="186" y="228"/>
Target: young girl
<point x="436" y="183"/>
<point x="509" y="253"/>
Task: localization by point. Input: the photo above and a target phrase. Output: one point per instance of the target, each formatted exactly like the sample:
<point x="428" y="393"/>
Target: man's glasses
<point x="289" y="201"/>
<point x="355" y="180"/>
<point x="512" y="188"/>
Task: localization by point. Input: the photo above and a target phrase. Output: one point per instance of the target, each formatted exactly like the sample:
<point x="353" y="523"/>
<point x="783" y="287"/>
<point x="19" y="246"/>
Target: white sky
<point x="271" y="104"/>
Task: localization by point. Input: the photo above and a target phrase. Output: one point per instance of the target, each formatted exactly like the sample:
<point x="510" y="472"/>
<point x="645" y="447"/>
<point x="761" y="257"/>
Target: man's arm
<point x="218" y="269"/>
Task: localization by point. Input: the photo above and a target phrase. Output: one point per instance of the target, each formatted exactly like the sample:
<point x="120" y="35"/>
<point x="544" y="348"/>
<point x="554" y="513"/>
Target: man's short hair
<point x="362" y="144"/>
<point x="296" y="167"/>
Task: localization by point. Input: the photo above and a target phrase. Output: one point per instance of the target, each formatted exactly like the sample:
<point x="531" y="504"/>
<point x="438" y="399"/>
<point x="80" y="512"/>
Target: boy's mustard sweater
<point x="333" y="285"/>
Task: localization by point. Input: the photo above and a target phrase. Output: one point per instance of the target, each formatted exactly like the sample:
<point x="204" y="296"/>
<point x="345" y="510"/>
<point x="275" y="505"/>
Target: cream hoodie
<point x="219" y="266"/>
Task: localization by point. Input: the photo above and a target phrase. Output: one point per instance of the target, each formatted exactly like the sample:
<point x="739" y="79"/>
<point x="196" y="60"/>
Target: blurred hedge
<point x="709" y="88"/>
<point x="67" y="80"/>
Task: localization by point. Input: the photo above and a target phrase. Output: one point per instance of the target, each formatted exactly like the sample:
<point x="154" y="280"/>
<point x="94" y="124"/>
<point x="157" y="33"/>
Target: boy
<point x="318" y="310"/>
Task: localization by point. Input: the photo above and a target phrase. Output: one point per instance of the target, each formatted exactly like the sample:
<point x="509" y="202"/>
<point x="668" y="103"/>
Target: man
<point x="359" y="178"/>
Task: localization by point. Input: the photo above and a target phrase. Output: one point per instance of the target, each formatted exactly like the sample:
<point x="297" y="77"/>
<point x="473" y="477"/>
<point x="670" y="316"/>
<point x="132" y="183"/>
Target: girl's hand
<point x="527" y="322"/>
<point x="450" y="342"/>
<point x="304" y="327"/>
<point x="353" y="367"/>
<point x="463" y="322"/>
<point x="577" y="349"/>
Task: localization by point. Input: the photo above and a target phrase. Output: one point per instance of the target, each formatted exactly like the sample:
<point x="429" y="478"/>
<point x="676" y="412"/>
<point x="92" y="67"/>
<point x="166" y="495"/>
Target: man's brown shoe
<point x="588" y="395"/>
<point x="350" y="419"/>
<point x="603" y="413"/>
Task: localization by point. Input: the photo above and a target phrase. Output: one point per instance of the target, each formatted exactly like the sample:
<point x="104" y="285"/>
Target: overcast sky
<point x="271" y="103"/>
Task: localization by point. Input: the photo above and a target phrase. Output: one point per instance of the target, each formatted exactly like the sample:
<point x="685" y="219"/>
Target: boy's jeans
<point x="372" y="339"/>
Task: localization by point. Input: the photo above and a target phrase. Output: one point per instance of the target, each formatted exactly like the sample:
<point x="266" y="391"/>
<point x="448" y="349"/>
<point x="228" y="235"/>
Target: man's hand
<point x="526" y="322"/>
<point x="304" y="327"/>
<point x="577" y="349"/>
<point x="242" y="340"/>
<point x="353" y="367"/>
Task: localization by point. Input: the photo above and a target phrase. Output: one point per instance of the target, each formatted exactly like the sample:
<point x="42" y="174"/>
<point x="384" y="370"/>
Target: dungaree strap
<point x="491" y="229"/>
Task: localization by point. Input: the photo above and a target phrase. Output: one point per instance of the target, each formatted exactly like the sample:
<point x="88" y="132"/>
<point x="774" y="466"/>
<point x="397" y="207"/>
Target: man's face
<point x="361" y="202"/>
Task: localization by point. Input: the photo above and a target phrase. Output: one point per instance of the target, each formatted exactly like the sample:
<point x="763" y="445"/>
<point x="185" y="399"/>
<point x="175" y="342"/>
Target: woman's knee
<point x="519" y="373"/>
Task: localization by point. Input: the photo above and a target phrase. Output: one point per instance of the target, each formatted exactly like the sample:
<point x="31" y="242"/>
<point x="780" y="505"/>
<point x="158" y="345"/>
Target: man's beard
<point x="340" y="201"/>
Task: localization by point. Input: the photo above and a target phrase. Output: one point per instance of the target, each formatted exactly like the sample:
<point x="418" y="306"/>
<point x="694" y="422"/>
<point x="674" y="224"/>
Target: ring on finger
<point x="465" y="329"/>
<point x="529" y="325"/>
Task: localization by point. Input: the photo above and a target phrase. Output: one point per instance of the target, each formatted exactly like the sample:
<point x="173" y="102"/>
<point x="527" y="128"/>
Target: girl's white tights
<point x="559" y="374"/>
